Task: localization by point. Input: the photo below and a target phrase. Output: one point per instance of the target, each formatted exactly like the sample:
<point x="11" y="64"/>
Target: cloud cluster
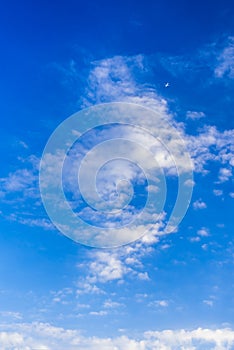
<point x="121" y="78"/>
<point x="209" y="144"/>
<point x="115" y="265"/>
<point x="41" y="336"/>
<point x="212" y="145"/>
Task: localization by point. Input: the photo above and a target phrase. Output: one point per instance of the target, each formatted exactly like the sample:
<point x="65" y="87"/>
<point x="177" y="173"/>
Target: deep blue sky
<point x="60" y="57"/>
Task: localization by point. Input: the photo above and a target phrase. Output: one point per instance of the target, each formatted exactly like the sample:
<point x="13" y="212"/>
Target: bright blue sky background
<point x="59" y="57"/>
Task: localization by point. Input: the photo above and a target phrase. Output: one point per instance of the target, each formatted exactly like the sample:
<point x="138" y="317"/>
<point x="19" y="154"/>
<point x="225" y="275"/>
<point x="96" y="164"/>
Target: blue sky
<point x="166" y="290"/>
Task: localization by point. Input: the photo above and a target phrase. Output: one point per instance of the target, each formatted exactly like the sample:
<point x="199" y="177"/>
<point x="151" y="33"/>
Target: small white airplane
<point x="167" y="85"/>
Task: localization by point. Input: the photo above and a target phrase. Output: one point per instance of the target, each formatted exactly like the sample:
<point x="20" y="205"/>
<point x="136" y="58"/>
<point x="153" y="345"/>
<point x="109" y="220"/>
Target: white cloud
<point x="225" y="61"/>
<point x="195" y="115"/>
<point x="211" y="145"/>
<point x="19" y="181"/>
<point x="117" y="265"/>
<point x="121" y="78"/>
<point x="218" y="192"/>
<point x="199" y="204"/>
<point x="217" y="58"/>
<point x="231" y="194"/>
<point x="165" y="246"/>
<point x="189" y="183"/>
<point x="195" y="339"/>
<point x="20" y="191"/>
<point x="23" y="144"/>
<point x="143" y="276"/>
<point x="44" y="223"/>
<point x="224" y="174"/>
<point x="11" y="314"/>
<point x="85" y="287"/>
<point x="159" y="303"/>
<point x="107" y="267"/>
<point x="110" y="304"/>
<point x="204" y="232"/>
<point x="195" y="239"/>
<point x="98" y="313"/>
<point x="41" y="336"/>
<point x="114" y="79"/>
<point x="60" y="296"/>
<point x="208" y="302"/>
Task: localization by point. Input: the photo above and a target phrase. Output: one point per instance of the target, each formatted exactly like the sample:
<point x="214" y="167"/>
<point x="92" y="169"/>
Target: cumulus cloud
<point x="203" y="232"/>
<point x="199" y="204"/>
<point x="107" y="267"/>
<point x="211" y="145"/>
<point x="41" y="336"/>
<point x="224" y="174"/>
<point x="117" y="265"/>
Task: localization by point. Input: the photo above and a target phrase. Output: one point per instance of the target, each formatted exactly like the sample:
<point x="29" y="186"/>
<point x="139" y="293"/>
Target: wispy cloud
<point x="208" y="145"/>
<point x="208" y="302"/>
<point x="10" y="315"/>
<point x="121" y="78"/>
<point x="98" y="313"/>
<point x="195" y="115"/>
<point x="214" y="60"/>
<point x="225" y="60"/>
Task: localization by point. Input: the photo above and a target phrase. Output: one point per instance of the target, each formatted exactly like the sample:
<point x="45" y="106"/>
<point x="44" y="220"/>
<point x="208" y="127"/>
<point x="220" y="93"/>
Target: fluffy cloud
<point x="211" y="145"/>
<point x="23" y="182"/>
<point x="159" y="303"/>
<point x="121" y="78"/>
<point x="217" y="192"/>
<point x="117" y="265"/>
<point x="204" y="232"/>
<point x="42" y="336"/>
<point x="199" y="204"/>
<point x="224" y="174"/>
<point x="107" y="267"/>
